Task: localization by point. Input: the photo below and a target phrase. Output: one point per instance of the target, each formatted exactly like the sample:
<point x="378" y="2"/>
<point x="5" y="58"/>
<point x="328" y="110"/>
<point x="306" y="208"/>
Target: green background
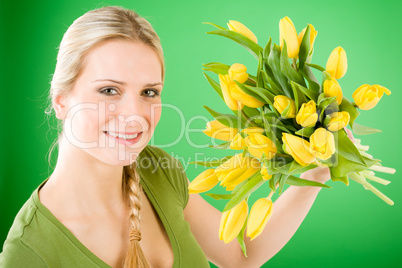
<point x="347" y="226"/>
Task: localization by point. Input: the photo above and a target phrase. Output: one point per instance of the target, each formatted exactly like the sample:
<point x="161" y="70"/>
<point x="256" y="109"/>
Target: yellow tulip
<point x="226" y="83"/>
<point x="322" y="143"/>
<point x="313" y="34"/>
<point x="298" y="148"/>
<point x="239" y="95"/>
<point x="241" y="29"/>
<point x="260" y="213"/>
<point x="217" y="130"/>
<point x="264" y="173"/>
<point x="257" y="144"/>
<point x="337" y="63"/>
<point x="236" y="169"/>
<point x="287" y="32"/>
<point x="237" y="142"/>
<point x="307" y="115"/>
<point x="205" y="181"/>
<point x="338" y="120"/>
<point x="253" y="130"/>
<point x="332" y="89"/>
<point x="366" y="96"/>
<point x="238" y="72"/>
<point x="232" y="222"/>
<point x="281" y="102"/>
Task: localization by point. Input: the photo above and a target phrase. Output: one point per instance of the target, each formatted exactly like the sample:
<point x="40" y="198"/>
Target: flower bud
<point x="232" y="222"/>
<point x="287" y="32"/>
<point x="205" y="181"/>
<point x="226" y="83"/>
<point x="257" y="144"/>
<point x="237" y="142"/>
<point x="236" y="169"/>
<point x="239" y="95"/>
<point x="332" y="89"/>
<point x="298" y="148"/>
<point x="217" y="130"/>
<point x="241" y="29"/>
<point x="281" y="103"/>
<point x="260" y="213"/>
<point x="307" y="115"/>
<point x="322" y="144"/>
<point x="366" y="96"/>
<point x="337" y="120"/>
<point x="238" y="72"/>
<point x="337" y="63"/>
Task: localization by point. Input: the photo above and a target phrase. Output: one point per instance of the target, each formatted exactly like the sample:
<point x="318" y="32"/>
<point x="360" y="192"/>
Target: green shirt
<point x="38" y="239"/>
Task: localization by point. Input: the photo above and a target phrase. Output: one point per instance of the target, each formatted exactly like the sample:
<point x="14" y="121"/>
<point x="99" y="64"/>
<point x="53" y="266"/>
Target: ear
<point x="60" y="107"/>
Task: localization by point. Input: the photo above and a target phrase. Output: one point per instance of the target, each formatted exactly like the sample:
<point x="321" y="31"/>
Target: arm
<point x="289" y="211"/>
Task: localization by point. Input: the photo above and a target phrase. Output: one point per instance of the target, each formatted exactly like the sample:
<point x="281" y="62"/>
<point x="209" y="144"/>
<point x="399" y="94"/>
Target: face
<point x="118" y="91"/>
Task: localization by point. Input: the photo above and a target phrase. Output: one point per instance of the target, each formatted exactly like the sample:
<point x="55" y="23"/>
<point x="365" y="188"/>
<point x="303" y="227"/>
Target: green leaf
<point x="212" y="163"/>
<point x="292" y="180"/>
<point x="327" y="106"/>
<point x="240" y="238"/>
<point x="240" y="39"/>
<point x="249" y="187"/>
<point x="259" y="93"/>
<point x="321" y="97"/>
<point x="300" y="98"/>
<point x="343" y="179"/>
<point x="343" y="166"/>
<point x="287" y="69"/>
<point x="304" y="47"/>
<point x="214" y="85"/>
<point x="276" y="89"/>
<point x="282" y="182"/>
<point x="312" y="94"/>
<point x="226" y="119"/>
<point x="274" y="64"/>
<point x="270" y="134"/>
<point x="305" y="132"/>
<point x="315" y="66"/>
<point x="347" y="106"/>
<point x="363" y="130"/>
<point x="217" y="26"/>
<point x="224" y="146"/>
<point x="260" y="79"/>
<point x="216" y="67"/>
<point x="273" y="181"/>
<point x="311" y="79"/>
<point x="220" y="196"/>
<point x="346" y="148"/>
<point x="267" y="49"/>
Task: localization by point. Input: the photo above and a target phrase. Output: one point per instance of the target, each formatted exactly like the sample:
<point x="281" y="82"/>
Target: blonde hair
<point x="93" y="28"/>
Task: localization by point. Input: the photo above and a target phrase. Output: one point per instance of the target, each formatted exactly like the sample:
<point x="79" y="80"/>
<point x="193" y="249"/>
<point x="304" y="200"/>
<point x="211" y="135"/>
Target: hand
<point x="318" y="174"/>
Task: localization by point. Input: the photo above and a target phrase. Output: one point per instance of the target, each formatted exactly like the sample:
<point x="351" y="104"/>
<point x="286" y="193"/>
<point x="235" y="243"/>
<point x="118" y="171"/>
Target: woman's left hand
<point x="318" y="174"/>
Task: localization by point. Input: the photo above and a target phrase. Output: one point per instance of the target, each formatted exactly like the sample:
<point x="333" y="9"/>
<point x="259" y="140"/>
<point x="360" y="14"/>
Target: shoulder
<point x="14" y="247"/>
<point x="154" y="160"/>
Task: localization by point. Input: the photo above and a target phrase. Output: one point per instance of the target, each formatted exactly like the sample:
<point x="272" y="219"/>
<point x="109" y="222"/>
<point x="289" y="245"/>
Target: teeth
<point x="120" y="136"/>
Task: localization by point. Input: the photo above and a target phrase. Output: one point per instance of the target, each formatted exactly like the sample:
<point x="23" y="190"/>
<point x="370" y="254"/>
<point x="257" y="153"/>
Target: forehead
<point x="133" y="62"/>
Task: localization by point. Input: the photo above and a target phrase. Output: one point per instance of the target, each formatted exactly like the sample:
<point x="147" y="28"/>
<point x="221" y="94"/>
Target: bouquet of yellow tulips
<point x="284" y="122"/>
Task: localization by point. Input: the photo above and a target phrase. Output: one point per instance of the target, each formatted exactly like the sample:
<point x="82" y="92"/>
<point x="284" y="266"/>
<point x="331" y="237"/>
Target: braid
<point x="132" y="189"/>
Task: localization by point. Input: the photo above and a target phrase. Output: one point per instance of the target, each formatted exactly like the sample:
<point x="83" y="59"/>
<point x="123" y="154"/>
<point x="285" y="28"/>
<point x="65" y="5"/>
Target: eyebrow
<point x="124" y="83"/>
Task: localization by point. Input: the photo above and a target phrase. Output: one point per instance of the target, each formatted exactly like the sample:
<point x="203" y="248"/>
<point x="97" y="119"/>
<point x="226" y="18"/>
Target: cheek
<point x="82" y="127"/>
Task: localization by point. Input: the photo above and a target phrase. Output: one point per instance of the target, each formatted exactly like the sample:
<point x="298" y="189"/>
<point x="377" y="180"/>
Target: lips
<point x="125" y="141"/>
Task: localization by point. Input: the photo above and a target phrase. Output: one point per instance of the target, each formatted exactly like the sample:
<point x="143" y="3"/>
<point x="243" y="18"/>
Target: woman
<point x="113" y="200"/>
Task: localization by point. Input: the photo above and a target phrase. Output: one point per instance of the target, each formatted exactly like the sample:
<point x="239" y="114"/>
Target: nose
<point x="132" y="115"/>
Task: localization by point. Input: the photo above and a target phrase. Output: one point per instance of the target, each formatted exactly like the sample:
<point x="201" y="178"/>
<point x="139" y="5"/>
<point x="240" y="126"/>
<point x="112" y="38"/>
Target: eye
<point x="107" y="90"/>
<point x="151" y="92"/>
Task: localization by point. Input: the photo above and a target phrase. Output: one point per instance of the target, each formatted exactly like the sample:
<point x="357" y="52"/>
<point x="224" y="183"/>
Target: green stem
<point x="248" y="119"/>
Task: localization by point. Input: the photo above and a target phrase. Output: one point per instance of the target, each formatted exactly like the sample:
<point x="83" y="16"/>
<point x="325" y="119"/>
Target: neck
<point x="85" y="184"/>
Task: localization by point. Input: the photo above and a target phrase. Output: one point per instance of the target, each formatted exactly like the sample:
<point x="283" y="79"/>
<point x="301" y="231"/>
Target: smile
<point x="124" y="139"/>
